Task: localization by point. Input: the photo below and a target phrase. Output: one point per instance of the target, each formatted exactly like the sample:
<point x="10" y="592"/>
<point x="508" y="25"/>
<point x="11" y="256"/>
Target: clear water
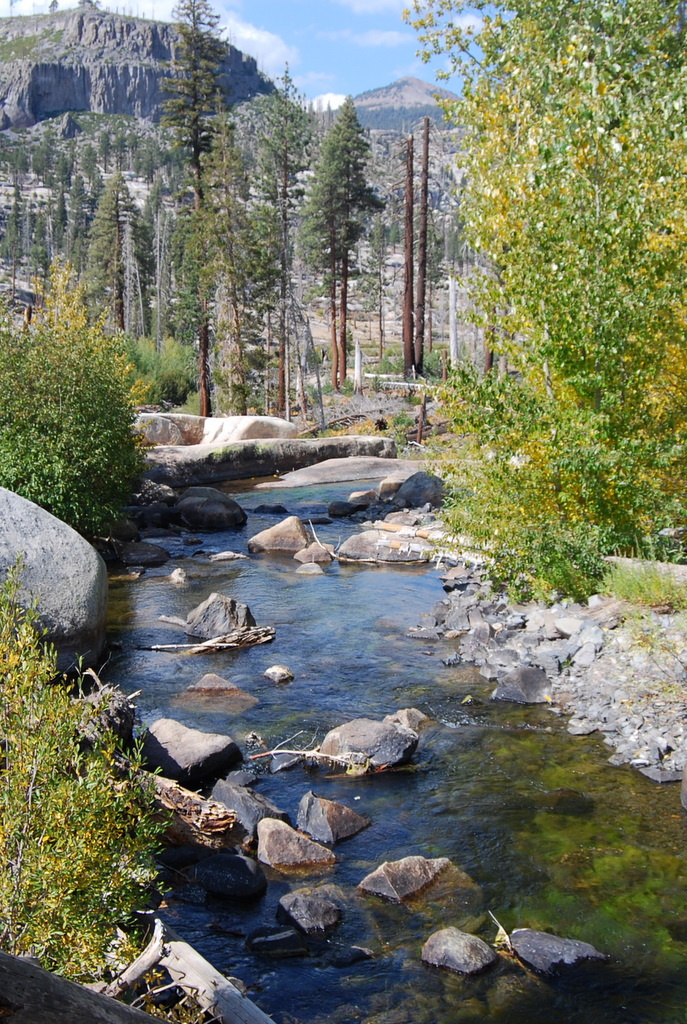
<point x="607" y="867"/>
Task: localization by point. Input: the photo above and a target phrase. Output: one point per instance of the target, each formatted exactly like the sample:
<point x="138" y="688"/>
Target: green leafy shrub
<point x="647" y="584"/>
<point x="76" y="831"/>
<point x="67" y="397"/>
<point x="169" y="375"/>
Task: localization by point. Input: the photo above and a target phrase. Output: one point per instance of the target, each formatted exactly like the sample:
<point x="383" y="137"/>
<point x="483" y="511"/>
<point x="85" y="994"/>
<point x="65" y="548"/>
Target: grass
<point x="647" y="584"/>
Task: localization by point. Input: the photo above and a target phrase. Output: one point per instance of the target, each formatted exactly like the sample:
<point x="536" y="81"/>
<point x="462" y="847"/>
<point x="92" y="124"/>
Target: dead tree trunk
<point x="408" y="352"/>
<point x="422" y="253"/>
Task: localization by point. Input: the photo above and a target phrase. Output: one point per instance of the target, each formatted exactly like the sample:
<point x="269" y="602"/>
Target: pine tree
<point x="191" y="98"/>
<point x="115" y="243"/>
<point x="334" y="218"/>
<point x="285" y="134"/>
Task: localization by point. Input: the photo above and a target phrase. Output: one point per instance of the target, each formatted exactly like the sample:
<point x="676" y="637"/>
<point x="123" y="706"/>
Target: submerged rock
<point x="278" y="674"/>
<point x="397" y="880"/>
<point x="281" y="846"/>
<point x="545" y="952"/>
<point x="277" y="942"/>
<point x="327" y="820"/>
<point x="524" y="685"/>
<point x="366" y="740"/>
<point x="458" y="951"/>
<point x="232" y="875"/>
<point x="187" y="755"/>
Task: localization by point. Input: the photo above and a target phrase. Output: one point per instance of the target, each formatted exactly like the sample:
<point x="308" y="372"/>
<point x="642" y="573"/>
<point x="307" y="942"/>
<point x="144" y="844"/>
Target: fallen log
<point x="248" y="637"/>
<point x="31" y="995"/>
<point x="407" y="531"/>
<point x="190" y="971"/>
<point x="195" y="819"/>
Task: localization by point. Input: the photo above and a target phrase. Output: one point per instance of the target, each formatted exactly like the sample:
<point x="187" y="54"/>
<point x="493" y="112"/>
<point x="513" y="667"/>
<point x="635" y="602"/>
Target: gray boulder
<point x="61" y="573"/>
<point x="343" y="509"/>
<point x="524" y="685"/>
<point x="458" y="951"/>
<point x="148" y="492"/>
<point x="397" y="880"/>
<point x="217" y="616"/>
<point x="231" y="874"/>
<point x="311" y="911"/>
<point x="290" y="536"/>
<point x="379" y="546"/>
<point x="281" y="846"/>
<point x="143" y="553"/>
<point x="249" y="807"/>
<point x="319" y="553"/>
<point x="278" y="674"/>
<point x="545" y="952"/>
<point x="418" y="490"/>
<point x="366" y="740"/>
<point x="187" y="755"/>
<point x="327" y="820"/>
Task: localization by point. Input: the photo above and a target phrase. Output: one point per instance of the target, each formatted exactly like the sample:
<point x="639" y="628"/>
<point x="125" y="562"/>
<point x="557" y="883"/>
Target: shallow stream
<point x="553" y="837"/>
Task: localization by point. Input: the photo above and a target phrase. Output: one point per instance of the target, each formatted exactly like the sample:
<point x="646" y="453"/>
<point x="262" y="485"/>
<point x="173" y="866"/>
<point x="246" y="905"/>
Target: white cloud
<point x="374" y="6"/>
<point x="270" y="50"/>
<point x="328" y="99"/>
<point x="376" y="37"/>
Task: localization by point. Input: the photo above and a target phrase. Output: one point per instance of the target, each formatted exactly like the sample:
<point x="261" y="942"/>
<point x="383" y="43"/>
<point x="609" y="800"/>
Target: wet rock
<point x="277" y="942"/>
<point x="278" y="674"/>
<point x="282" y="762"/>
<point x="310" y="569"/>
<point x="250" y="807"/>
<point x="142" y="553"/>
<point x="366" y="740"/>
<point x="178" y="577"/>
<point x="398" y="880"/>
<point x="232" y="875"/>
<point x="346" y="956"/>
<point x="315" y="552"/>
<point x="180" y="857"/>
<point x="282" y="847"/>
<point x="207" y="509"/>
<point x="288" y="536"/>
<point x="242" y="777"/>
<point x="218" y="615"/>
<point x="271" y="509"/>
<point x="458" y="951"/>
<point x="212" y="683"/>
<point x="523" y="685"/>
<point x="409" y="718"/>
<point x="226" y="556"/>
<point x="187" y="755"/>
<point x="418" y="490"/>
<point x="545" y="952"/>
<point x="343" y="509"/>
<point x="310" y="911"/>
<point x="327" y="820"/>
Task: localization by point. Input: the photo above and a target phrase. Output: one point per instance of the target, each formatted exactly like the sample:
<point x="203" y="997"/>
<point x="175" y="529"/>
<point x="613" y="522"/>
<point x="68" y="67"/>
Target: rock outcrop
<point x="92" y="60"/>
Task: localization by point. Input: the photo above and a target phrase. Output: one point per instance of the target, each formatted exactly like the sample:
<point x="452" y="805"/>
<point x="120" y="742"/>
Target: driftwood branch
<point x="195" y="819"/>
<point x="190" y="971"/>
<point x="248" y="637"/>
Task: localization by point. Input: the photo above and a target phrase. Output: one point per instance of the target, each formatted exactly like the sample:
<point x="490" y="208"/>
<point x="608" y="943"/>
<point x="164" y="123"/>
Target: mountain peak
<point x="399" y="104"/>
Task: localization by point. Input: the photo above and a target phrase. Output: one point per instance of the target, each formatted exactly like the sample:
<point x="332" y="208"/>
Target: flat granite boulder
<point x="289" y="536"/>
<point x="380" y="546"/>
<point x="366" y="740"/>
<point x="398" y="880"/>
<point x="62" y="573"/>
<point x="458" y="951"/>
<point x="327" y="820"/>
<point x="545" y="952"/>
<point x="250" y="808"/>
<point x="187" y="755"/>
<point x="282" y="847"/>
<point x="217" y="616"/>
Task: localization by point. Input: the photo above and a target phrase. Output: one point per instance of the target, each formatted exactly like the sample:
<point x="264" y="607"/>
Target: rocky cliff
<point x="92" y="60"/>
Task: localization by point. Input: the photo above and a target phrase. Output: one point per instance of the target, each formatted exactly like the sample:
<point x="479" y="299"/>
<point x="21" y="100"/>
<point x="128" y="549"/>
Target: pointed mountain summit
<point x="400" y="105"/>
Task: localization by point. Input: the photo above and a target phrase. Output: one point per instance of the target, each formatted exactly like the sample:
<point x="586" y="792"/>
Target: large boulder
<point x="458" y="951"/>
<point x="545" y="952"/>
<point x="143" y="553"/>
<point x="327" y="820"/>
<point x="418" y="490"/>
<point x="289" y="536"/>
<point x="250" y="808"/>
<point x="380" y="546"/>
<point x="187" y="755"/>
<point x="206" y="508"/>
<point x="365" y="740"/>
<point x="282" y="847"/>
<point x="315" y="552"/>
<point x="398" y="880"/>
<point x="217" y="616"/>
<point x="61" y="573"/>
<point x="231" y="874"/>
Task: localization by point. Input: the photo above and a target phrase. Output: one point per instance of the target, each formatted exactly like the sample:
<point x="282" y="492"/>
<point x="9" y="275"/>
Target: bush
<point x="647" y="584"/>
<point x="76" y="832"/>
<point x="67" y="398"/>
<point x="169" y="375"/>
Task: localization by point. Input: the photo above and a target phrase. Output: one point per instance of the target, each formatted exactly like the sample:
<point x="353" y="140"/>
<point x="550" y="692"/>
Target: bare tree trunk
<point x="422" y="253"/>
<point x="408" y="352"/>
<point x="343" y="319"/>
<point x="454" y="354"/>
<point x="268" y="347"/>
<point x="332" y="314"/>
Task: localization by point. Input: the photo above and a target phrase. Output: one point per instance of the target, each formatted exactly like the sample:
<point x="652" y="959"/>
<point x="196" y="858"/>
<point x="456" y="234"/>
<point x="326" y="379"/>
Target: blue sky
<point x="333" y="47"/>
